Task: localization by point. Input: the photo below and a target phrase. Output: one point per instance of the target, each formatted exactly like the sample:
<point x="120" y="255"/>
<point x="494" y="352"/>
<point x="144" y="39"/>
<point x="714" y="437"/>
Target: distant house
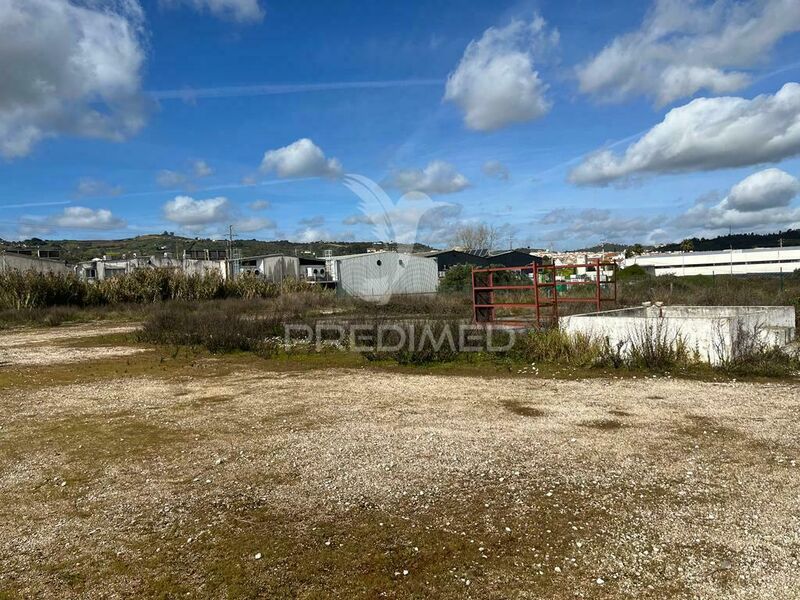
<point x="377" y="276"/>
<point x="446" y="259"/>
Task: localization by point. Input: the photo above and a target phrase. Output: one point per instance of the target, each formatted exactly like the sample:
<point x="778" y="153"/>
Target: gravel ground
<point x="41" y="347"/>
<point x="358" y="483"/>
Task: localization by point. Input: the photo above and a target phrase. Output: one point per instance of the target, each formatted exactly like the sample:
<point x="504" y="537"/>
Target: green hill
<point x="158" y="244"/>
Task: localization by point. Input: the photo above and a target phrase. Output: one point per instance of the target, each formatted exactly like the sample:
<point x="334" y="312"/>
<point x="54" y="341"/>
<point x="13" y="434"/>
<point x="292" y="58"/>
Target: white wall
<point x="379" y="275"/>
<point x="725" y="262"/>
<point x="709" y="330"/>
<point x="17" y="262"/>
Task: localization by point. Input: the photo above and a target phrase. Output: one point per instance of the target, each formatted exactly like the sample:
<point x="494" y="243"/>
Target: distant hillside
<point x="158" y="244"/>
<point x="740" y="241"/>
<point x="607" y="247"/>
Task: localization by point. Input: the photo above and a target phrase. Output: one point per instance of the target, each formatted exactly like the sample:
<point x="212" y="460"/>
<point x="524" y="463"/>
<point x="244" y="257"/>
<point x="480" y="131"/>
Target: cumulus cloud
<point x="496" y="84"/>
<point x="496" y="169"/>
<point x="762" y="199"/>
<point x="302" y="158"/>
<point x="770" y="188"/>
<point x="685" y="46"/>
<point x="69" y="69"/>
<point x="72" y="217"/>
<point x="242" y="11"/>
<point x="706" y="134"/>
<point x="88" y="186"/>
<point x="438" y="177"/>
<point x="191" y="213"/>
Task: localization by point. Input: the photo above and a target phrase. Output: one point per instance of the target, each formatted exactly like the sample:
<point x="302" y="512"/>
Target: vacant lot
<point x="161" y="475"/>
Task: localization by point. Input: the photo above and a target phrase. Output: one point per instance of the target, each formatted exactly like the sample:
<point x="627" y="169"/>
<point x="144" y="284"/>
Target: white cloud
<point x="200" y="168"/>
<point x="685" y="46"/>
<point x="260" y="205"/>
<point x="72" y="217"/>
<point x="760" y="200"/>
<point x="494" y="168"/>
<point x="770" y="188"/>
<point x="242" y="11"/>
<point x="495" y="84"/>
<point x="438" y="177"/>
<point x="186" y="211"/>
<point x="302" y="158"/>
<point x="69" y="69"/>
<point x="706" y="134"/>
<point x="88" y="186"/>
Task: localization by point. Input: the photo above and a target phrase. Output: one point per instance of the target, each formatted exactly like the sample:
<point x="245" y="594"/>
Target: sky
<point x="560" y="123"/>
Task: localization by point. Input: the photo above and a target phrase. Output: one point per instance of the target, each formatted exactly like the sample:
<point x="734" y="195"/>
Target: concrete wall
<point x="278" y="268"/>
<point x="378" y="276"/>
<point x="14" y="262"/>
<point x="711" y="331"/>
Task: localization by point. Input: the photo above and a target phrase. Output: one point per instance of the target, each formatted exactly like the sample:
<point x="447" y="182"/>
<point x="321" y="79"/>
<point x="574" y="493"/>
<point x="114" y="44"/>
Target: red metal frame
<point x="545" y="293"/>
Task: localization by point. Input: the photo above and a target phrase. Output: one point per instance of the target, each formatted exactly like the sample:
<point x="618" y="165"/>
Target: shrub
<point x="214" y="328"/>
<point x="653" y="346"/>
<point x="557" y="346"/>
<point x="421" y="342"/>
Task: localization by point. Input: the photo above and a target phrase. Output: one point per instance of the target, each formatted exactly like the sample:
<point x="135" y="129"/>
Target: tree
<point x="687" y="246"/>
<point x="634" y="250"/>
<point x="470" y="238"/>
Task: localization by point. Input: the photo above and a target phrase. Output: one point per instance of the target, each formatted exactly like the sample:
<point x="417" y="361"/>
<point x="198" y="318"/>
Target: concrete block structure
<point x="710" y="331"/>
<point x="377" y="276"/>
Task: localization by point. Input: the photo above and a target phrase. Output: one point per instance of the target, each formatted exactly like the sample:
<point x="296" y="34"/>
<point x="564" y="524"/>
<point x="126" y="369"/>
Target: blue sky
<point x="499" y="111"/>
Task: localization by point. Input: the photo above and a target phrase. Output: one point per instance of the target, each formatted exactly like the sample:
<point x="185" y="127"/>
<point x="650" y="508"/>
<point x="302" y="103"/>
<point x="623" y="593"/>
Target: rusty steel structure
<point x="542" y="296"/>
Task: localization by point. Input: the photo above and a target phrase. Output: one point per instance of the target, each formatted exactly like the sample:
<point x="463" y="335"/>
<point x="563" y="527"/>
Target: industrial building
<point x="720" y="262"/>
<point x="20" y="262"/>
<point x="377" y="276"/>
<point x="446" y="259"/>
<point x="99" y="269"/>
<point x="273" y="267"/>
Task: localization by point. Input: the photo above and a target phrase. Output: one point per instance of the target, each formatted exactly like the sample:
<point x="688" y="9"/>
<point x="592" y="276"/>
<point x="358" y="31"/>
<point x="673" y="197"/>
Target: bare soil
<point x="223" y="478"/>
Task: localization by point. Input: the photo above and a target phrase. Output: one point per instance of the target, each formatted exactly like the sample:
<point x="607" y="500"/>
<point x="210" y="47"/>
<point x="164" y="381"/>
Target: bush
<point x="557" y="346"/>
<point x="652" y="346"/>
<point x="23" y="290"/>
<point x="424" y="342"/>
<point x="457" y="278"/>
<point x="216" y="329"/>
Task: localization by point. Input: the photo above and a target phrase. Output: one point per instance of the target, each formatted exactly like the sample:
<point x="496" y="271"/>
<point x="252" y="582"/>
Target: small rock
<point x="257" y="556"/>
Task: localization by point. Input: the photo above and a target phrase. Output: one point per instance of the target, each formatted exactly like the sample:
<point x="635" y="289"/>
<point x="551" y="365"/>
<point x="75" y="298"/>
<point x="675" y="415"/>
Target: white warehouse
<point x="721" y="262"/>
<point x="377" y="276"/>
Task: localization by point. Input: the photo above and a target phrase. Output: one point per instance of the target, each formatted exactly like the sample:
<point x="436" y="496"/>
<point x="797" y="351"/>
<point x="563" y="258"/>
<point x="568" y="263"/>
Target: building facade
<point x="721" y="262"/>
<point x="377" y="276"/>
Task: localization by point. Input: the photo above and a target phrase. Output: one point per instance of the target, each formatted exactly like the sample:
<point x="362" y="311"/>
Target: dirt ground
<point x="246" y="482"/>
